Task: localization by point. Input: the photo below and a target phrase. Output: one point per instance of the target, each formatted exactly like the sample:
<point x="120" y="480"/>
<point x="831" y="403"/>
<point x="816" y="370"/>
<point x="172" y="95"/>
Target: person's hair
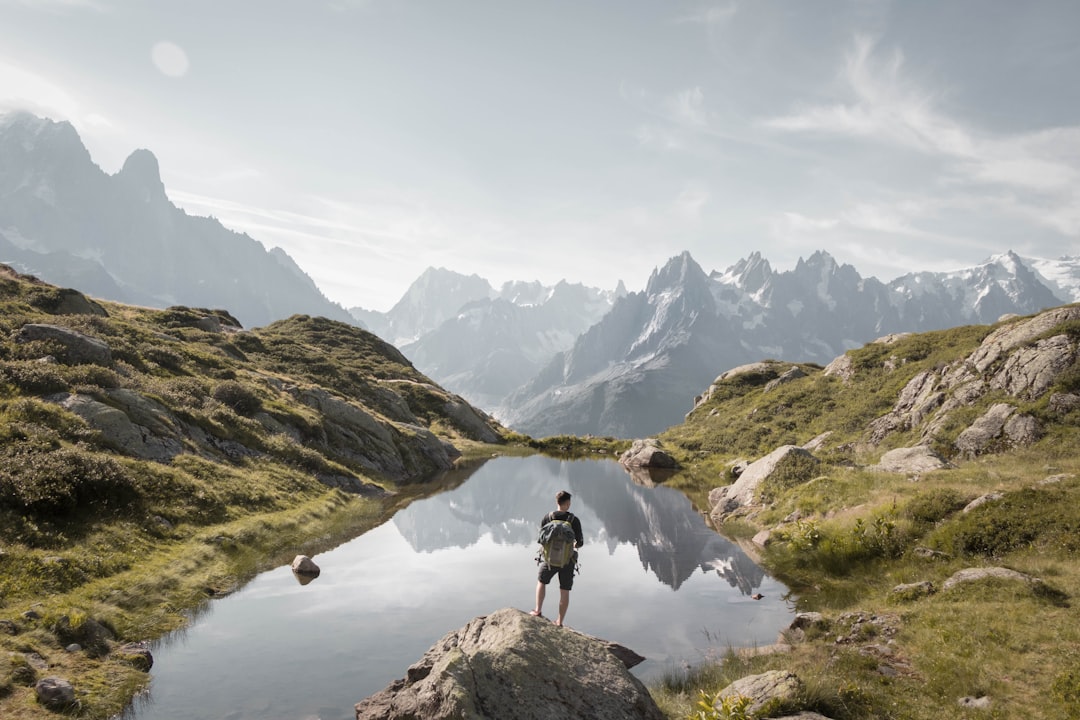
<point x="562" y="497"/>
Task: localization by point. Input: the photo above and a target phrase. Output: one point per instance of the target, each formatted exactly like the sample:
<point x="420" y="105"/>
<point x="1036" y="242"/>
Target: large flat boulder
<point x="743" y="492"/>
<point x="511" y="665"/>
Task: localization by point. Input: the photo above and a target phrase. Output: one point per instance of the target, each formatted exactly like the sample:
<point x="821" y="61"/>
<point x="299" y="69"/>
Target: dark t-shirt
<point x="579" y="539"/>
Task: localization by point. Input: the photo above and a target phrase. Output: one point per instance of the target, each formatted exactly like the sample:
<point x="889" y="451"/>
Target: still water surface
<point x="653" y="577"/>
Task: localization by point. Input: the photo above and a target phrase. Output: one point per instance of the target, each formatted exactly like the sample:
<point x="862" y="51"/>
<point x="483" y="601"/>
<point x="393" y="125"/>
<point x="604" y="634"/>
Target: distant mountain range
<point x="578" y="360"/>
<point x="636" y="371"/>
<point x="118" y="237"/>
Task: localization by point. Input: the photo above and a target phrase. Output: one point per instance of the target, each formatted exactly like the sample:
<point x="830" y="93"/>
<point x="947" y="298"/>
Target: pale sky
<point x="584" y="140"/>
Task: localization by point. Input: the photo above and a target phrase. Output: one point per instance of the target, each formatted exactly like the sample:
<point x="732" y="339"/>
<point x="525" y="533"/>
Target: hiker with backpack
<point x="560" y="537"/>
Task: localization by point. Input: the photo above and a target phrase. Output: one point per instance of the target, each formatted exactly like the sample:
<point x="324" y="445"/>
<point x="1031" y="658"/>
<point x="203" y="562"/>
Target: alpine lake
<point x="652" y="576"/>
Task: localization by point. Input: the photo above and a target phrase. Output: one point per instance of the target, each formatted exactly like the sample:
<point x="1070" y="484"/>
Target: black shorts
<point x="565" y="573"/>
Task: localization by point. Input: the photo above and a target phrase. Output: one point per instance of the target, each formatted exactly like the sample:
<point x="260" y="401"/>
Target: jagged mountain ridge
<point x="480" y="342"/>
<point x="637" y="371"/>
<point x="118" y="237"/>
<point x="439" y="295"/>
<point x="431" y="299"/>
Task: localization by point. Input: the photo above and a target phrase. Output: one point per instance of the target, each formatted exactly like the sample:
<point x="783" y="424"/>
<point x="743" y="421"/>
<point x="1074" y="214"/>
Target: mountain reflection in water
<point x="670" y="536"/>
<point x="653" y="577"/>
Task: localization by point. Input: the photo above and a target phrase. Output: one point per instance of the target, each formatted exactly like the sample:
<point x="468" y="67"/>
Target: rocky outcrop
<point x="1031" y="370"/>
<point x="788" y="376"/>
<point x="160" y="442"/>
<point x="76" y="348"/>
<point x="969" y="575"/>
<point x="776" y="687"/>
<point x="1004" y="339"/>
<point x="511" y="665"/>
<point x="648" y="453"/>
<point x="913" y="591"/>
<point x="1064" y="403"/>
<point x="55" y="693"/>
<point x="470" y="422"/>
<point x="910" y="460"/>
<point x="843" y="368"/>
<point x="65" y="301"/>
<point x="142" y="427"/>
<point x="743" y="492"/>
<point x="759" y="372"/>
<point x="998" y="425"/>
<point x="90" y="635"/>
<point x="1020" y="359"/>
<point x="917" y="400"/>
<point x="403" y="450"/>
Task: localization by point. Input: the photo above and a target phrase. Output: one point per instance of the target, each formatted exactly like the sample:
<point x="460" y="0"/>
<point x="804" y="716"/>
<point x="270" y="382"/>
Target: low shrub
<point x="59" y="482"/>
<point x="1026" y="518"/>
<point x="1066" y="691"/>
<point x="94" y="376"/>
<point x="714" y="707"/>
<point x="836" y="551"/>
<point x="935" y="505"/>
<point x="293" y="453"/>
<point x="32" y="376"/>
<point x="164" y="357"/>
<point x="240" y="398"/>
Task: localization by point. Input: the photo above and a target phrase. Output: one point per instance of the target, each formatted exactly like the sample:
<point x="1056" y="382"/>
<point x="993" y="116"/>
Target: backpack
<point x="557" y="542"/>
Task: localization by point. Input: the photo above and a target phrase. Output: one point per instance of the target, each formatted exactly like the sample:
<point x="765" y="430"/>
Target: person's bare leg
<point x="564" y="603"/>
<point x="541" y="591"/>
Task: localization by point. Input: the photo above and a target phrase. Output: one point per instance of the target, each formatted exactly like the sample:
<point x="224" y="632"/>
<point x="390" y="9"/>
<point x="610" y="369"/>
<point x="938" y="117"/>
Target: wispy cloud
<point x="688" y="107"/>
<point x="674" y="118"/>
<point x="883" y="106"/>
<point x="887" y="108"/>
<point x="710" y="16"/>
<point x="1034" y="175"/>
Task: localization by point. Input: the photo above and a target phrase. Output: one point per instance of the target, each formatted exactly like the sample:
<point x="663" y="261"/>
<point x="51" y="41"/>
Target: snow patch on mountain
<point x="1061" y="275"/>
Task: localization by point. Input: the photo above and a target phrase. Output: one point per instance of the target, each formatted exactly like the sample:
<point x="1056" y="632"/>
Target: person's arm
<point x="576" y="524"/>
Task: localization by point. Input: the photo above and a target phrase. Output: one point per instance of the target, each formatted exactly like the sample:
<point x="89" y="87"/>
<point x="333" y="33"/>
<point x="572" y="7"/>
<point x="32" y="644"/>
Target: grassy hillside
<point x="857" y="543"/>
<point x="150" y="459"/>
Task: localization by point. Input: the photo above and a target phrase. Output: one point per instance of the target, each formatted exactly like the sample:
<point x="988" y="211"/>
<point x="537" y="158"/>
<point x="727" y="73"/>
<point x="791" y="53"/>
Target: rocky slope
<point x="154" y="385"/>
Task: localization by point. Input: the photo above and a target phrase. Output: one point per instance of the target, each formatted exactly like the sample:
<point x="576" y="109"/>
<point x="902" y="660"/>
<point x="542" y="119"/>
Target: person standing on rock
<point x="551" y="568"/>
